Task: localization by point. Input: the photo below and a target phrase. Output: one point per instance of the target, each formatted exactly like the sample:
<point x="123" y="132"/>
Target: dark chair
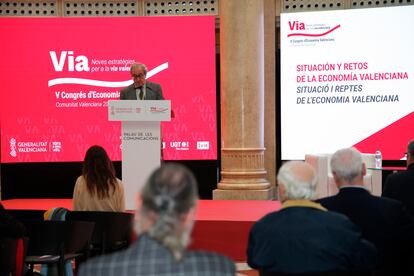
<point x="55" y="242"/>
<point x="112" y="232"/>
<point x="25" y="214"/>
<point x="12" y="254"/>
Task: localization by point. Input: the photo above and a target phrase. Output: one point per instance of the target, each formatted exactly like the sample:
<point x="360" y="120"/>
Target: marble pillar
<point x="270" y="90"/>
<point x="243" y="175"/>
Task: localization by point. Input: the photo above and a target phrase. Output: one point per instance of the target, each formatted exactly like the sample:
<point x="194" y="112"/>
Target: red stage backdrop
<point x="57" y="75"/>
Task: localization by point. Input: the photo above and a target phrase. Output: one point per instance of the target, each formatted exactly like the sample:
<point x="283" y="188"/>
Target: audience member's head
<point x="164" y="220"/>
<point x="410" y="153"/>
<point x="98" y="171"/>
<point x="296" y="180"/>
<point x="347" y="167"/>
<point x="166" y="210"/>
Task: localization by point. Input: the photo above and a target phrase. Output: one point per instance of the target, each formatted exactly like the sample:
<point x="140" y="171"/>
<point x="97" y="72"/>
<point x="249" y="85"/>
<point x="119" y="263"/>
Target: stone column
<point x="242" y="101"/>
<point x="270" y="90"/>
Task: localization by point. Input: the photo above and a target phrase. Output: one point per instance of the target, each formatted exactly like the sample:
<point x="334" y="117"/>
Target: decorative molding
<point x="243" y="169"/>
<point x="242" y="159"/>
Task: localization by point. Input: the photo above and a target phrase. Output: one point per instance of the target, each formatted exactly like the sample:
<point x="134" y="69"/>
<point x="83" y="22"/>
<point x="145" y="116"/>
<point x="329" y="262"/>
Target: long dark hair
<point x="99" y="172"/>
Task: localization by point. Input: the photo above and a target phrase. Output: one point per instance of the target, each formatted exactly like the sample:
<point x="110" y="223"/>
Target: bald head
<point x="297" y="180"/>
<point x="347" y="167"/>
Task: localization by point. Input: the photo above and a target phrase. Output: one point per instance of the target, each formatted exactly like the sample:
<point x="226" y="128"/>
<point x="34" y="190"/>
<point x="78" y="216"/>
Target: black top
<point x="400" y="186"/>
<point x="383" y="221"/>
<point x="308" y="240"/>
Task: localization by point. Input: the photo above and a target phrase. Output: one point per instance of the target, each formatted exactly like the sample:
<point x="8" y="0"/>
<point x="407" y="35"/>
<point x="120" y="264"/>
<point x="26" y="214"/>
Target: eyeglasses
<point x="138" y="76"/>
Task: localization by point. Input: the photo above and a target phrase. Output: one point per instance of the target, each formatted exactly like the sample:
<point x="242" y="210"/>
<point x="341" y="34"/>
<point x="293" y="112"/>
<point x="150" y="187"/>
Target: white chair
<point x="326" y="185"/>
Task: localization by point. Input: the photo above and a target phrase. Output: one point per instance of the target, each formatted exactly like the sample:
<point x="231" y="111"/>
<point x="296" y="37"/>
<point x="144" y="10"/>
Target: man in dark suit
<point x="303" y="237"/>
<point x="400" y="186"/>
<point x="141" y="88"/>
<point x="166" y="210"/>
<point x="384" y="222"/>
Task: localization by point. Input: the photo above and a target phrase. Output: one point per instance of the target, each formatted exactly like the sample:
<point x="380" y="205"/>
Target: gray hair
<point x="139" y="65"/>
<point x="347" y="165"/>
<point x="299" y="180"/>
<point x="170" y="192"/>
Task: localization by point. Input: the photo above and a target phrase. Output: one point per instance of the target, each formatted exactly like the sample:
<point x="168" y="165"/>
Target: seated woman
<point x="98" y="189"/>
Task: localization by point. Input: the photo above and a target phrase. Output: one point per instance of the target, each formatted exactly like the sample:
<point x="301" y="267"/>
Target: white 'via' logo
<point x="82" y="63"/>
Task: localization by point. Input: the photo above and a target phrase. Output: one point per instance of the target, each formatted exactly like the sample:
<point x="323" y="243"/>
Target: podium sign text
<point x="141" y="141"/>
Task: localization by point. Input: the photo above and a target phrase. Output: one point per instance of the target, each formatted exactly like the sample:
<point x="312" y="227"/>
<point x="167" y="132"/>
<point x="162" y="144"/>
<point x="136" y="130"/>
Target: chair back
<point x="26" y="214"/>
<point x="57" y="241"/>
<point x="58" y="237"/>
<point x="80" y="235"/>
<point x="112" y="229"/>
<point x="46" y="237"/>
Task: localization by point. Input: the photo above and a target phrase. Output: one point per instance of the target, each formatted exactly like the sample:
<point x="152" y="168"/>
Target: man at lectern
<point x="141" y="89"/>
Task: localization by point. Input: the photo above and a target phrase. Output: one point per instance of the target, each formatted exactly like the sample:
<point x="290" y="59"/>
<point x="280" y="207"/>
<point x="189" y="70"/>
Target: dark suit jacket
<point x="400" y="186"/>
<point x="306" y="239"/>
<point x="153" y="92"/>
<point x="384" y="222"/>
<point x="148" y="257"/>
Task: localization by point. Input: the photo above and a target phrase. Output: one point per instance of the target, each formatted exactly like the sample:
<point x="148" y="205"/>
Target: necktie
<point x="141" y="94"/>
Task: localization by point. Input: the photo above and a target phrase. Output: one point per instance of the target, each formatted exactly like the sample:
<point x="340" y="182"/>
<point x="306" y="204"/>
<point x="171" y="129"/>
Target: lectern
<point x="141" y="141"/>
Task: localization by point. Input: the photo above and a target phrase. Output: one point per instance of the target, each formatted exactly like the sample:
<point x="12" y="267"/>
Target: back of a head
<point x="299" y="180"/>
<point x="347" y="165"/>
<point x="98" y="171"/>
<point x="96" y="158"/>
<point x="169" y="194"/>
